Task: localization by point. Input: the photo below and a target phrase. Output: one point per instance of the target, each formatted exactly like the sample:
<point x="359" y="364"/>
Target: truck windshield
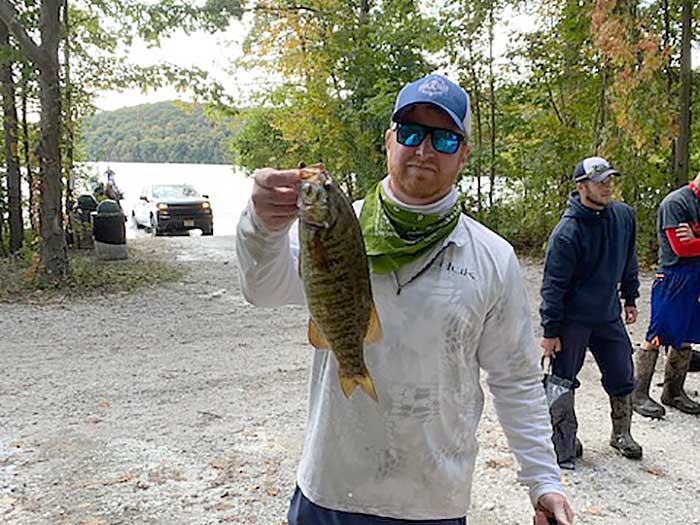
<point x="174" y="191"/>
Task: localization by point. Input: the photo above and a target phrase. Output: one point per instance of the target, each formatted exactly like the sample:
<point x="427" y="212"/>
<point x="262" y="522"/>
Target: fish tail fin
<point x="367" y="385"/>
<point x="363" y="380"/>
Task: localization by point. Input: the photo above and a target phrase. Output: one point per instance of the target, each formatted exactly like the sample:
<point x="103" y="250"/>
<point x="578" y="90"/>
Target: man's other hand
<point x="630" y="314"/>
<point x="274" y="197"/>
<point x="685" y="232"/>
<point x="550" y="345"/>
<point x="553" y="505"/>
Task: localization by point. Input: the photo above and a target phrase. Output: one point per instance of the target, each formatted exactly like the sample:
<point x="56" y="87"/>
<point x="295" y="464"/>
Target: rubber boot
<point x="694" y="365"/>
<point x="564" y="428"/>
<point x="621" y="439"/>
<point x="677" y="362"/>
<point x="644" y="363"/>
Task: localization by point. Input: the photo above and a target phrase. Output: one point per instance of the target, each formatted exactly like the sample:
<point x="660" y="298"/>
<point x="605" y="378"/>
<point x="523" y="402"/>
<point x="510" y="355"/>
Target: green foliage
<point x="567" y="94"/>
<point x="342" y="64"/>
<point x="156" y="20"/>
<point x="594" y="77"/>
<point x="162" y="132"/>
<point x="257" y="142"/>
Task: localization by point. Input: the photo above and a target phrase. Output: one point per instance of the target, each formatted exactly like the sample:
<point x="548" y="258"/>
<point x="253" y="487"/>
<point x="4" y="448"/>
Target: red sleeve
<point x="682" y="248"/>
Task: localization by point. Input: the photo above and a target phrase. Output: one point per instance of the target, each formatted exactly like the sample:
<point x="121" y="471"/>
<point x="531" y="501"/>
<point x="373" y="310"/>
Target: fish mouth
<point x="315" y="223"/>
<point x="308" y="220"/>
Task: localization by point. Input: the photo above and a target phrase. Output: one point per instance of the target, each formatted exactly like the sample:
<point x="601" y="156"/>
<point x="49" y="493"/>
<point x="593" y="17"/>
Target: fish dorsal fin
<point x="374" y="328"/>
<point x="316" y="337"/>
<point x="316" y="173"/>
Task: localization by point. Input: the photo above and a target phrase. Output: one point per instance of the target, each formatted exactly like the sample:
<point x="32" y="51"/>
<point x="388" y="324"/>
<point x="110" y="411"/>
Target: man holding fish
<point x="443" y="299"/>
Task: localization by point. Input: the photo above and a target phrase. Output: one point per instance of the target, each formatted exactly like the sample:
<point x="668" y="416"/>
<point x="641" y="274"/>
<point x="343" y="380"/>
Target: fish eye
<point x="307" y="188"/>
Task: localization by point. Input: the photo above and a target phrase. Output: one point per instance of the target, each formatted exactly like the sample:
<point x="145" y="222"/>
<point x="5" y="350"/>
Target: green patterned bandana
<point x="395" y="236"/>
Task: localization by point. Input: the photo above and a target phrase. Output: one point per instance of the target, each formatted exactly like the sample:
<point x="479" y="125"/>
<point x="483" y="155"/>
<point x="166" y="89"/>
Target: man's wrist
<point x="543" y="490"/>
<point x="550" y="332"/>
<point x="261" y="228"/>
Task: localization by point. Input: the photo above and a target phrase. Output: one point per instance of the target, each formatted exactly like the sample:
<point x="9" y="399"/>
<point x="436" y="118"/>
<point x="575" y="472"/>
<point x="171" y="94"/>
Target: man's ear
<point x="464" y="156"/>
<point x="387" y="138"/>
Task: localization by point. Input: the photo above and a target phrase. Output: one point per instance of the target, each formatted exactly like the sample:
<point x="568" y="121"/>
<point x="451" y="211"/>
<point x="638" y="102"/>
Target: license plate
<point x="188" y="222"/>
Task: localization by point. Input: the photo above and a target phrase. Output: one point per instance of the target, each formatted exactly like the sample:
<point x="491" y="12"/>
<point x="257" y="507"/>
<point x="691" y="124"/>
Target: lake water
<point x="228" y="187"/>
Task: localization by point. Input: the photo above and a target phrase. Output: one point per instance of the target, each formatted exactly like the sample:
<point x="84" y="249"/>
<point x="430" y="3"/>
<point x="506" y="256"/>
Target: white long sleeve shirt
<point x="460" y="309"/>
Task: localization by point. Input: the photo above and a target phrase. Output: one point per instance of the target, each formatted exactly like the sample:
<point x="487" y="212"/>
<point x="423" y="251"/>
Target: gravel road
<point x="184" y="405"/>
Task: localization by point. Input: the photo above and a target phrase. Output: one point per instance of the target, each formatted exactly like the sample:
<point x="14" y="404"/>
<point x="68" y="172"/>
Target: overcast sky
<point x="215" y="53"/>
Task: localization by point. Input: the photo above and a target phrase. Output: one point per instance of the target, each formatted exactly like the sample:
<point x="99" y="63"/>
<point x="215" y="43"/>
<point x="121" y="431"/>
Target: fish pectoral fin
<point x="374" y="328"/>
<point x="349" y="383"/>
<point x="316" y="337"/>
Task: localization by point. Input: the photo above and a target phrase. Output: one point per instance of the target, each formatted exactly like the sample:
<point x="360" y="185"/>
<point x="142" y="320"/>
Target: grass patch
<point x="87" y="277"/>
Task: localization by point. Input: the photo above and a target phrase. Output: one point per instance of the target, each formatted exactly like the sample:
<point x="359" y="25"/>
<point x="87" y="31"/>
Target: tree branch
<point x="9" y="16"/>
<point x="266" y="8"/>
<point x="553" y="103"/>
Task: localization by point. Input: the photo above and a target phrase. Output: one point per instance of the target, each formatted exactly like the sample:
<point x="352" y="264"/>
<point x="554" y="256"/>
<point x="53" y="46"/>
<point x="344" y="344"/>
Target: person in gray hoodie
<point x="591" y="263"/>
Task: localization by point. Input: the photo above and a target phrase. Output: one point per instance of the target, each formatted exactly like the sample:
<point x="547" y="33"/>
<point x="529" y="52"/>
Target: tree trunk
<point x="669" y="77"/>
<point x="14" y="192"/>
<point x="31" y="183"/>
<point x="364" y="10"/>
<point x="476" y="113"/>
<point x="682" y="153"/>
<point x="3" y="251"/>
<point x="492" y="103"/>
<point x="54" y="253"/>
<point x="68" y="113"/>
<point x="600" y="112"/>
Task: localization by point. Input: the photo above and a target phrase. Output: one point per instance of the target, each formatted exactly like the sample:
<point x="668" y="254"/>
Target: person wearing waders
<point x="591" y="263"/>
<point x="675" y="306"/>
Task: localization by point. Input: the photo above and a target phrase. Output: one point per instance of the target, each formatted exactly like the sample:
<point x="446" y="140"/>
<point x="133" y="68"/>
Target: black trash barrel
<point x="109" y="231"/>
<point x="81" y="221"/>
<point x="86" y="202"/>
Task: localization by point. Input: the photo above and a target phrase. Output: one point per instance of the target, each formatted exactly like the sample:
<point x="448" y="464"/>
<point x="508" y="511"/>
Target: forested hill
<point x="161" y="132"/>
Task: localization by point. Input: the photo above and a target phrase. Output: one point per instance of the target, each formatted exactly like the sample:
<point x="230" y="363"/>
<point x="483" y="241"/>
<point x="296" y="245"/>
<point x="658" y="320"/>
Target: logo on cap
<point x="433" y="87"/>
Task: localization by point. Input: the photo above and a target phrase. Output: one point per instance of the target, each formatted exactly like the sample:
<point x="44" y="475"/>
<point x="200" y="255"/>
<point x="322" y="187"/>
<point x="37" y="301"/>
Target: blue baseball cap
<point x="594" y="169"/>
<point x="439" y="92"/>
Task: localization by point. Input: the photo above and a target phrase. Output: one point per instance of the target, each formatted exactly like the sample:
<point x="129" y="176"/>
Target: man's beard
<point x="597" y="202"/>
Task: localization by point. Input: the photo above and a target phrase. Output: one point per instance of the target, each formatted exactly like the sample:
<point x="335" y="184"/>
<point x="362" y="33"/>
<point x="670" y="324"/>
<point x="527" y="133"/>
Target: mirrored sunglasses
<point x="443" y="140"/>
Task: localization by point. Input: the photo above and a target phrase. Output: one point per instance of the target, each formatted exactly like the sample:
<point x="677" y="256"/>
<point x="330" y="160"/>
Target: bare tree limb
<point x="8" y="14"/>
<point x="553" y="102"/>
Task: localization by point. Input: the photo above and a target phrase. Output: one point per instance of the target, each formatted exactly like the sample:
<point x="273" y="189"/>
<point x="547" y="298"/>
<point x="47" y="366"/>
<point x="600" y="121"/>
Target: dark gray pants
<point x="611" y="348"/>
<point x="303" y="511"/>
